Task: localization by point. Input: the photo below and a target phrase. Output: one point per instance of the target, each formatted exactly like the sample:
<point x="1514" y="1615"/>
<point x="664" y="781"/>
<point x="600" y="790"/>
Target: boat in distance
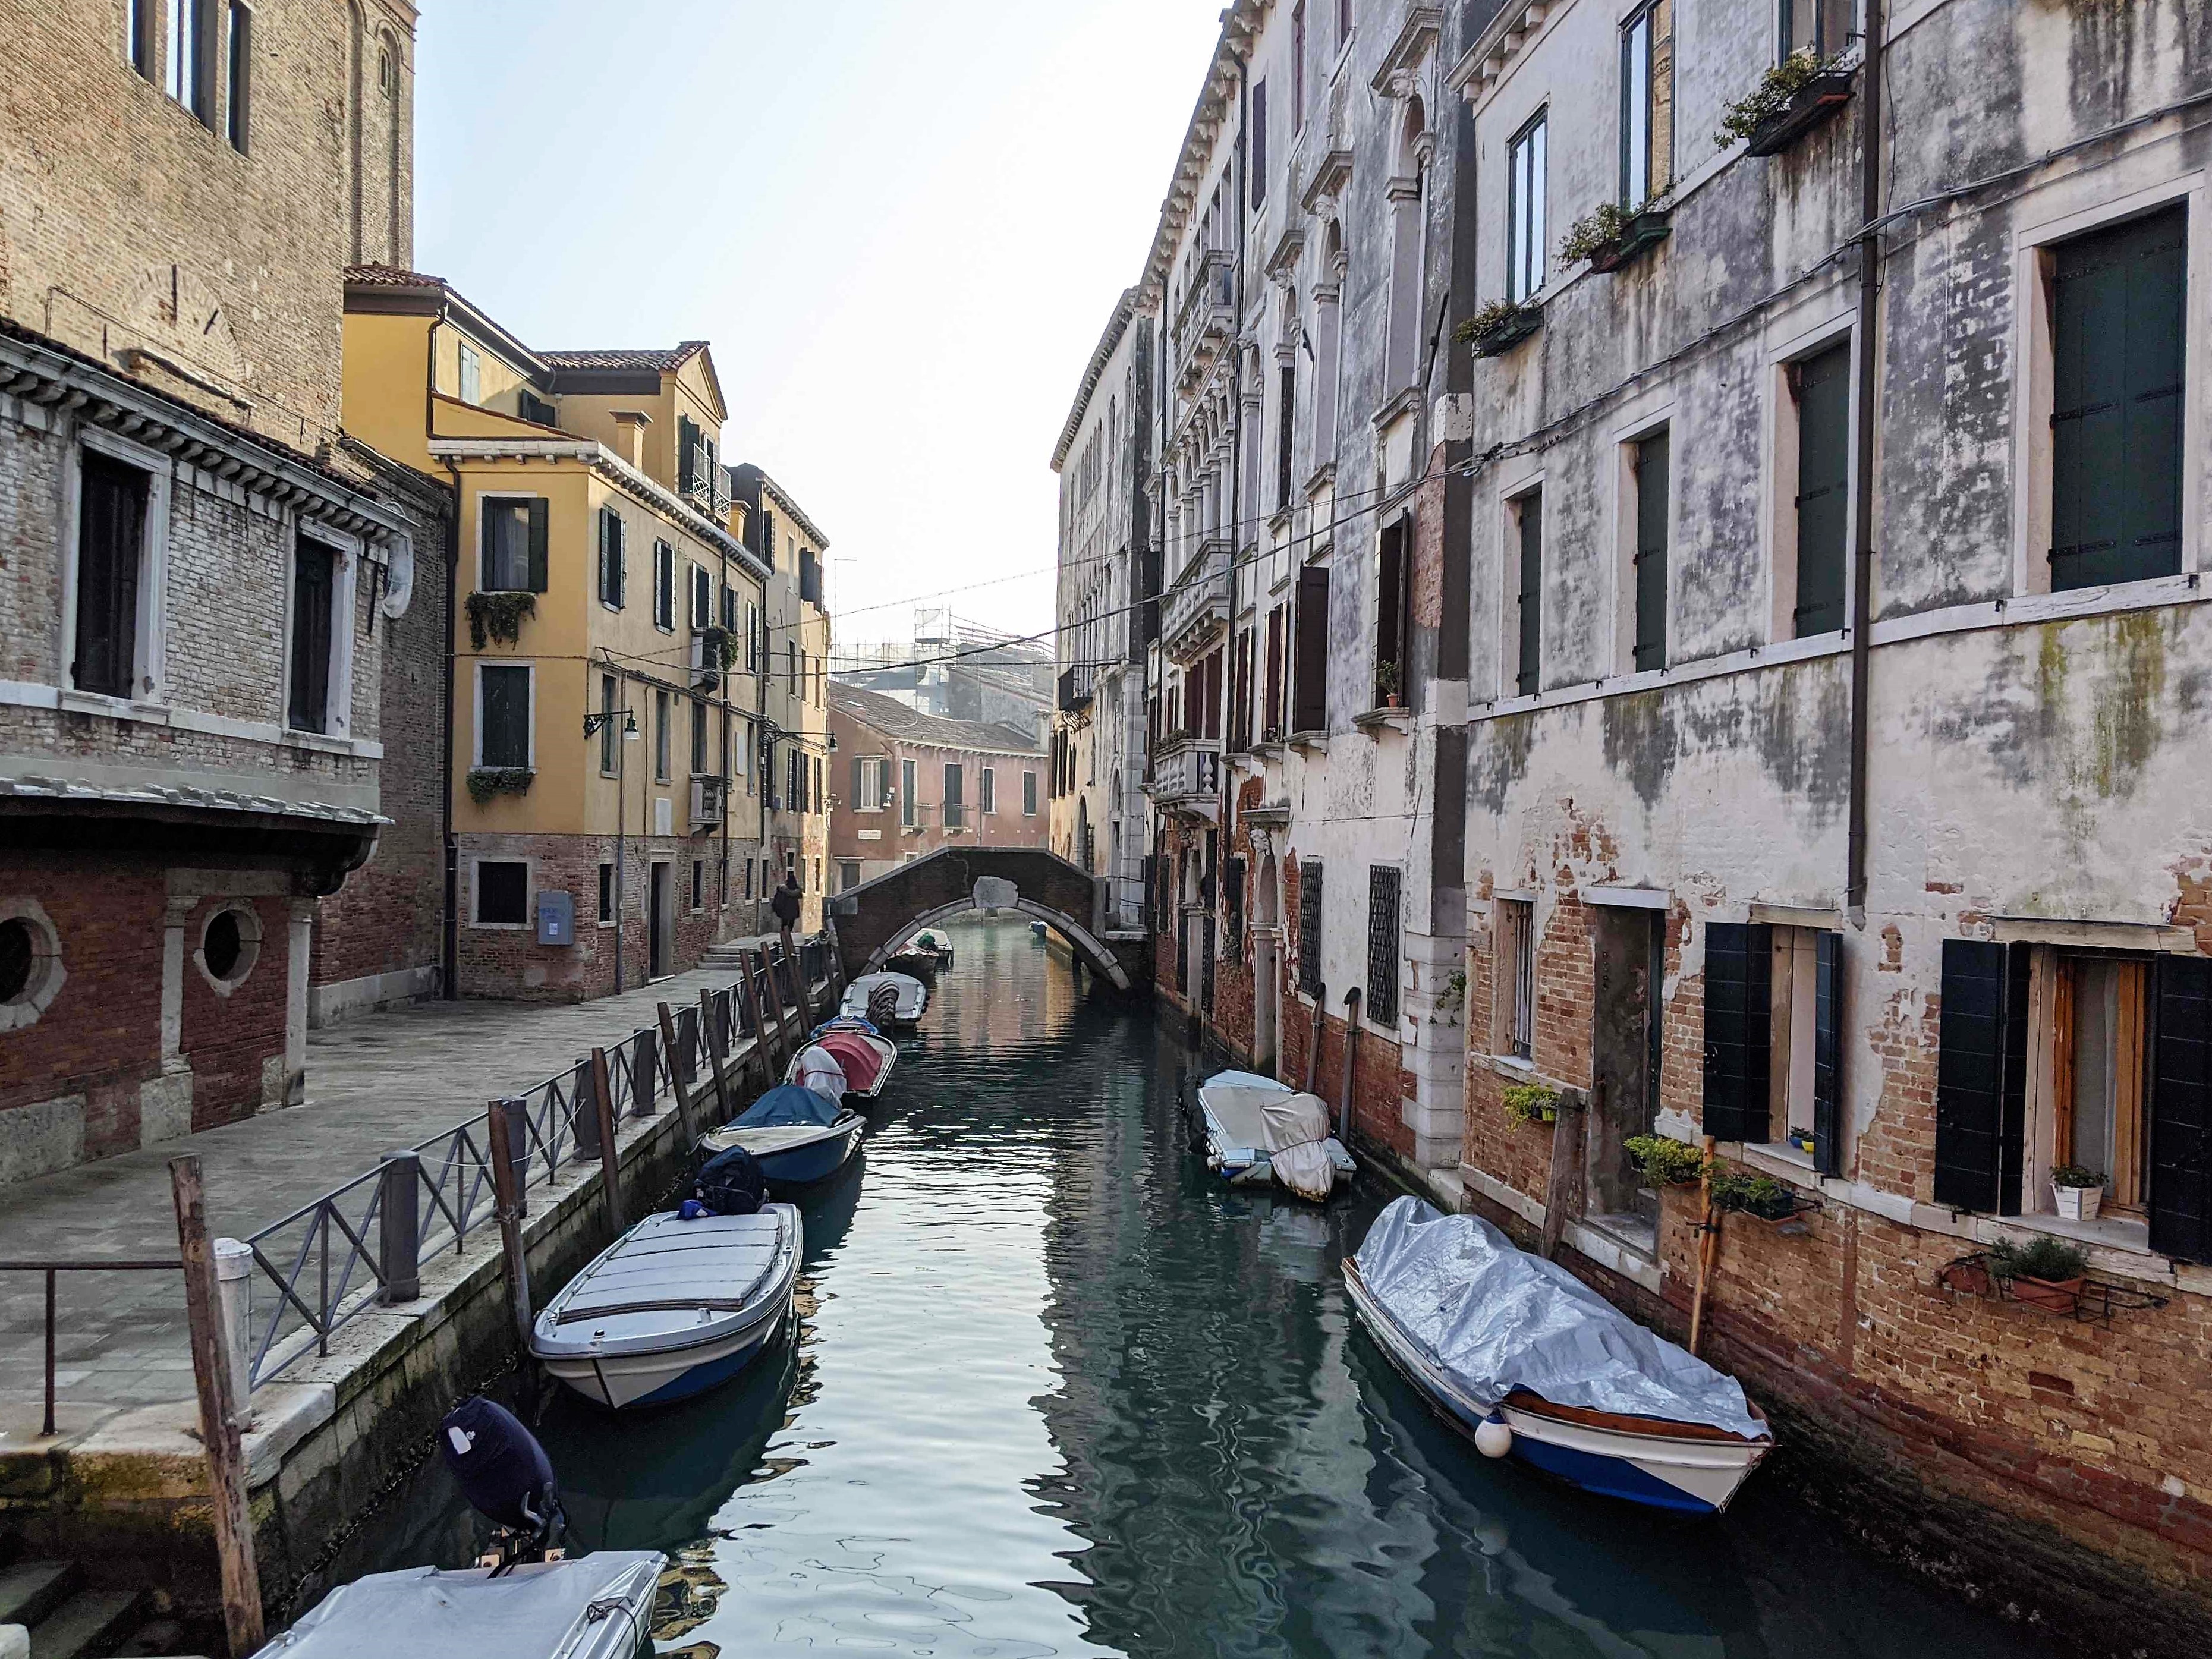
<point x="1531" y="1363"/>
<point x="673" y="1307"/>
<point x="798" y="1135"/>
<point x="886" y="999"/>
<point x="864" y="1056"/>
<point x="1260" y="1132"/>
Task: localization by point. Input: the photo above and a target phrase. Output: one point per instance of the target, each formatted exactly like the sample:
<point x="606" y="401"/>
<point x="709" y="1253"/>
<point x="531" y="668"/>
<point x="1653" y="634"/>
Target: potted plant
<point x="1609" y="235"/>
<point x="498" y="616"/>
<point x="1790" y="99"/>
<point x="1760" y="1197"/>
<point x="1664" y="1161"/>
<point x="1532" y="1103"/>
<point x="1386" y="682"/>
<point x="1802" y="1139"/>
<point x="2044" y="1272"/>
<point x="2079" y="1192"/>
<point x="1969" y="1275"/>
<point x="1499" y="326"/>
<point x="486" y="782"/>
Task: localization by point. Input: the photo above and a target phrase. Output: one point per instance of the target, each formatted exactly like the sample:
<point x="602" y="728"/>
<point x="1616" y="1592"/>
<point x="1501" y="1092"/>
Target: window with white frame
<point x="1514" y="964"/>
<point x="190" y="49"/>
<point x="237" y="106"/>
<point x="664" y="588"/>
<point x="512" y="529"/>
<point x="1645" y="105"/>
<point x="471" y="374"/>
<point x="1524" y="208"/>
<point x="505" y="733"/>
<point x="122" y="513"/>
<point x="872" y="785"/>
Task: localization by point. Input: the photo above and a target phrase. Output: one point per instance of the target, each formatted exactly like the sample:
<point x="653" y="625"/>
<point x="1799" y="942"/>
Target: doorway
<point x="1624" y="1068"/>
<point x="660" y="923"/>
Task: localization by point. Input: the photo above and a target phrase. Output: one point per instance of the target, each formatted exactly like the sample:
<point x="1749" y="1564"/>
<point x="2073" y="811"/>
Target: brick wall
<point x="232" y="1039"/>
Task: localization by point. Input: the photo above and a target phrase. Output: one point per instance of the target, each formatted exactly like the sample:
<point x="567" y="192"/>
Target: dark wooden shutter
<point x="1529" y="679"/>
<point x="111" y="540"/>
<point x="1259" y="143"/>
<point x="1827" y="1053"/>
<point x="2181" y="1110"/>
<point x="313" y="567"/>
<point x="857" y="803"/>
<point x="506" y="716"/>
<point x="1739" y="1022"/>
<point x="2117" y="402"/>
<point x="537" y="505"/>
<point x="1653" y="461"/>
<point x="1389" y="613"/>
<point x="606" y="556"/>
<point x="1824" y="472"/>
<point x="1309" y="687"/>
<point x="1270" y="715"/>
<point x="1981" y="1076"/>
<point x="1285" y="436"/>
<point x="687" y="443"/>
<point x="1384" y="884"/>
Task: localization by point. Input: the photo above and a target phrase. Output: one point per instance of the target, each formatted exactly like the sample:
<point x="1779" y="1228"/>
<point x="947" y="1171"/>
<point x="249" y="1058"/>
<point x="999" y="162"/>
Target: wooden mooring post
<point x="219" y="1425"/>
<point x="684" y="1113"/>
<point x="777" y="1052"/>
<point x="603" y="1111"/>
<point x="763" y="1058"/>
<point x="709" y="1040"/>
<point x="508" y="1209"/>
<point x="1568" y="1135"/>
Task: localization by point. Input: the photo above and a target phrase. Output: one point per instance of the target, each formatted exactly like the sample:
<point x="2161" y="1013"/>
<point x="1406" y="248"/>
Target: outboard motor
<point x="730" y="1183"/>
<point x="883" y="1004"/>
<point x="507" y="1479"/>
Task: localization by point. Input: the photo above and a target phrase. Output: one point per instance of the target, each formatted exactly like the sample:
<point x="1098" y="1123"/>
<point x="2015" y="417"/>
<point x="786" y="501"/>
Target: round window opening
<point x="229" y="945"/>
<point x="19" y="954"/>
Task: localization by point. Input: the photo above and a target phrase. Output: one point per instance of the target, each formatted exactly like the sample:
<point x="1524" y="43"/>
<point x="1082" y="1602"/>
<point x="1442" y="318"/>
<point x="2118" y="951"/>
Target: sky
<point x="902" y="223"/>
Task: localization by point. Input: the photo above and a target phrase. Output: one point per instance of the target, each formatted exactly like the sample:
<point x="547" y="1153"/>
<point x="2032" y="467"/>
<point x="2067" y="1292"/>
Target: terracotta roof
<point x="391" y="277"/>
<point x="657" y="360"/>
<point x="893" y="719"/>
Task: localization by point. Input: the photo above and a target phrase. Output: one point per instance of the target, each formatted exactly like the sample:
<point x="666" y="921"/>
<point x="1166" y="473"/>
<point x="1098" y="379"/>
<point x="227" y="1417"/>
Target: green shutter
<point x="1653" y="461"/>
<point x="1981" y="1075"/>
<point x="2117" y="402"/>
<point x="856" y="782"/>
<point x="1530" y="678"/>
<point x="1827" y="1053"/>
<point x="537" y="505"/>
<point x="1739" y="1020"/>
<point x="1824" y="472"/>
<point x="2181" y="1110"/>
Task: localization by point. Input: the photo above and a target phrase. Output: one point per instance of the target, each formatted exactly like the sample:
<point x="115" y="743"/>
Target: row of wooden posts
<point x="779" y="1031"/>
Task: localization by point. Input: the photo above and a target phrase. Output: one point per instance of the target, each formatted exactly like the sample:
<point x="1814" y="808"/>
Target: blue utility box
<point x="557" y="918"/>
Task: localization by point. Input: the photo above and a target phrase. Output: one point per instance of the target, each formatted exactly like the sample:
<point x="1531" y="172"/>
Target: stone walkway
<point x="383" y="1082"/>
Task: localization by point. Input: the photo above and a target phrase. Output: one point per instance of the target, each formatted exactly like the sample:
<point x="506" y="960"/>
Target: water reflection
<point x="1055" y="1391"/>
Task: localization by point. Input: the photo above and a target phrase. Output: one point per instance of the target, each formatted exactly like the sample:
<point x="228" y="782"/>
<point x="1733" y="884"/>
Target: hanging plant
<point x="1605" y="223"/>
<point x="498" y="617"/>
<point x="1664" y="1161"/>
<point x="1498" y="325"/>
<point x="1754" y="1194"/>
<point x="1532" y="1103"/>
<point x="717" y="649"/>
<point x="485" y="782"/>
<point x="1772" y="99"/>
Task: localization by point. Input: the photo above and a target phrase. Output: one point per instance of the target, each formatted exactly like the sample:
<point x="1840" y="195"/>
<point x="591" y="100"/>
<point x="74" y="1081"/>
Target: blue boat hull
<point x="803" y="1164"/>
<point x="712" y="1375"/>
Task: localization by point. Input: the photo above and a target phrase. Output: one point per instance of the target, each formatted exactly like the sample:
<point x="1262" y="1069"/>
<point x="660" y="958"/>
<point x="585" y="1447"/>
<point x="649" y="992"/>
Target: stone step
<point x="29" y="1590"/>
<point x="163" y="1638"/>
<point x="88" y="1625"/>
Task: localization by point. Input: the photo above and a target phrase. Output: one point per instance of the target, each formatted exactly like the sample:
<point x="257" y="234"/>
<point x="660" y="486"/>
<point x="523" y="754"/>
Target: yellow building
<point x="609" y="632"/>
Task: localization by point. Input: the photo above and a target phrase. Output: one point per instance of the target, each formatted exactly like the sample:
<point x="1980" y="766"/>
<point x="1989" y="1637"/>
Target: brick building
<point x="201" y="579"/>
<point x="908" y="783"/>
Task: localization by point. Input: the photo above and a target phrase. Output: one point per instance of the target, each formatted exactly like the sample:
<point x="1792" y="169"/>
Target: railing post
<point x="685" y="1114"/>
<point x="507" y="1201"/>
<point x="602" y="1121"/>
<point x="400" y="1223"/>
<point x="775" y="1008"/>
<point x="233" y="1525"/>
<point x="233" y="1277"/>
<point x="644" y="1055"/>
<point x="710" y="1029"/>
<point x="584" y="1112"/>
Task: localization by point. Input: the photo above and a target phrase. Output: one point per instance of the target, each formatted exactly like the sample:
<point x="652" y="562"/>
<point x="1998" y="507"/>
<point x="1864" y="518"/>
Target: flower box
<point x="2060" y="1296"/>
<point x="1645" y="231"/>
<point x="1498" y="329"/>
<point x="1811" y="104"/>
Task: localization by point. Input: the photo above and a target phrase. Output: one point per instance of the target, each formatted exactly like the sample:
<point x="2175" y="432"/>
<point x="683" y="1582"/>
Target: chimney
<point x="630" y="444"/>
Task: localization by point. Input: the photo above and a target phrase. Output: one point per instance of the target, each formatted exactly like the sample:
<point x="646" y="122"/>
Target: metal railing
<point x="359" y="1244"/>
<point x="50" y="1269"/>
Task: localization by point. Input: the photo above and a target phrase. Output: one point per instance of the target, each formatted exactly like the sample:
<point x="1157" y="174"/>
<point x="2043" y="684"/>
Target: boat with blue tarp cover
<point x="1533" y="1364"/>
<point x="797" y="1134"/>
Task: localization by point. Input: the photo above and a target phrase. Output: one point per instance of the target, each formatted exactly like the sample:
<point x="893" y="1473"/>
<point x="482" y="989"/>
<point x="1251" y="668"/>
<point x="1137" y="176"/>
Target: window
<point x="513" y="548"/>
<point x="606" y="895"/>
<point x="661" y="712"/>
<point x="503" y="722"/>
<point x="191" y="79"/>
<point x="1821" y="385"/>
<point x="1392" y="594"/>
<point x="1310" y="671"/>
<point x="749" y="879"/>
<point x="1772" y="1036"/>
<point x="729" y="611"/>
<point x="1310" y="927"/>
<point x="532" y="407"/>
<point x="1514" y="961"/>
<point x="502" y="893"/>
<point x="1028" y="794"/>
<point x="905" y="794"/>
<point x="821" y="797"/>
<point x="702" y="599"/>
<point x="848" y="874"/>
<point x="614" y="559"/>
<point x="753" y="637"/>
<point x="1286" y="411"/>
<point x="314" y="579"/>
<point x="1650" y="464"/>
<point x="1646" y="105"/>
<point x="687" y="454"/>
<point x="111" y="553"/>
<point x="871" y="783"/>
<point x="142" y="30"/>
<point x="1343" y="24"/>
<point x="721" y="882"/>
<point x="664" y="588"/>
<point x="230" y="944"/>
<point x="1259" y="163"/>
<point x="1524" y="208"/>
<point x="1380" y="1003"/>
<point x="471" y="374"/>
<point x="1270" y="715"/>
<point x="239" y="103"/>
<point x="2116" y="418"/>
<point x="987" y="800"/>
<point x="1299" y="67"/>
<point x="698" y="884"/>
<point x="810" y="577"/>
<point x="1822" y="28"/>
<point x="610" y="724"/>
<point x="1529" y="546"/>
<point x="698" y="738"/>
<point x="790" y="668"/>
<point x="954" y="804"/>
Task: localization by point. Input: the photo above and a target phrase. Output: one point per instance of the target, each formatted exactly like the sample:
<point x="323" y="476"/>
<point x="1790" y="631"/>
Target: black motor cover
<point x="499" y="1465"/>
<point x="731" y="1183"/>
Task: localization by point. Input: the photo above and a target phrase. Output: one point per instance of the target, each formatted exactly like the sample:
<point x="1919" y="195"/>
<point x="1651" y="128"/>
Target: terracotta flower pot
<point x="1967" y="1278"/>
<point x="2052" y="1295"/>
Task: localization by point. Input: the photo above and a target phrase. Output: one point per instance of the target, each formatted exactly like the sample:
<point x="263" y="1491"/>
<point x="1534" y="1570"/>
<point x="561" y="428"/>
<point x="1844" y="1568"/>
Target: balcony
<point x="1208" y="318"/>
<point x="709" y="801"/>
<point x="1186" y="775"/>
<point x="1075" y="687"/>
<point x="1196" y="612"/>
<point x="956" y="818"/>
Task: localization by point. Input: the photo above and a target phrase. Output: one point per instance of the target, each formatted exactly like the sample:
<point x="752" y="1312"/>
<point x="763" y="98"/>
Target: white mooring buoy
<point x="1493" y="1437"/>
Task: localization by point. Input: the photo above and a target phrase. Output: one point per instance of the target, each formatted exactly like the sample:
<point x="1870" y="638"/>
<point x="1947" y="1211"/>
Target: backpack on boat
<point x="731" y="1183"/>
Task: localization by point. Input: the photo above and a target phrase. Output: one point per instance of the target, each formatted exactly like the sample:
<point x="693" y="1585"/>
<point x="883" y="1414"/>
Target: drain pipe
<point x="1350" y="1048"/>
<point x="1313" y="1041"/>
<point x="1869" y="379"/>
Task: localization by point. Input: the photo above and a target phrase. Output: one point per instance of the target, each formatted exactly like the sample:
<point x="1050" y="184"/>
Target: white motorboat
<point x="798" y="1135"/>
<point x="673" y="1307"/>
<point x="590" y="1606"/>
<point x="909" y="996"/>
<point x="1257" y="1130"/>
<point x="1531" y="1364"/>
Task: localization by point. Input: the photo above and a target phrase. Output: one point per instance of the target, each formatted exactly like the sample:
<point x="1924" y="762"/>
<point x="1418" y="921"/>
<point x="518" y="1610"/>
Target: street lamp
<point x="593" y="725"/>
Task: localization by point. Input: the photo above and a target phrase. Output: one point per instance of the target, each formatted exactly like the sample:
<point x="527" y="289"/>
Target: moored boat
<point x="673" y="1307"/>
<point x="923" y="960"/>
<point x="864" y="1056"/>
<point x="797" y="1135"/>
<point x="1531" y="1363"/>
<point x="886" y="999"/>
<point x="1259" y="1132"/>
<point x="589" y="1606"/>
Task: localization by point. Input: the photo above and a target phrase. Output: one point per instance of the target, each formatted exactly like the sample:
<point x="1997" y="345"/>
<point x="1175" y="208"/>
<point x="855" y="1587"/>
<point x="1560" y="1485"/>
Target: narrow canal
<point x="1057" y="1393"/>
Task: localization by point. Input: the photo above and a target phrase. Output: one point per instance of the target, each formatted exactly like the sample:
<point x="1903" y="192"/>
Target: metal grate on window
<point x="1383" y="889"/>
<point x="1516" y="955"/>
<point x="1310" y="927"/>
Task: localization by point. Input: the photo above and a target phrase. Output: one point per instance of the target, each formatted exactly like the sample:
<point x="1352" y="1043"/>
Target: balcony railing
<point x="1075" y="686"/>
<point x="956" y="816"/>
<point x="1208" y="317"/>
<point x="1186" y="771"/>
<point x="1198" y="606"/>
<point x="709" y="801"/>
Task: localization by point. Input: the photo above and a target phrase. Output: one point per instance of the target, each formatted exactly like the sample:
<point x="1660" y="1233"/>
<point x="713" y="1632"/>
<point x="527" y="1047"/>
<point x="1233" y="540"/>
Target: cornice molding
<point x="1401" y="64"/>
<point x="1496" y="46"/>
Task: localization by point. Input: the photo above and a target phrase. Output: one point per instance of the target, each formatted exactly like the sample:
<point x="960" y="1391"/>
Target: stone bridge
<point x="874" y="919"/>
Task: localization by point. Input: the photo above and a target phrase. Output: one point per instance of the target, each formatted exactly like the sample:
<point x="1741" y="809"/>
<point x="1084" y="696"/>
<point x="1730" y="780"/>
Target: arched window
<point x="1328" y="342"/>
<point x="1408" y="197"/>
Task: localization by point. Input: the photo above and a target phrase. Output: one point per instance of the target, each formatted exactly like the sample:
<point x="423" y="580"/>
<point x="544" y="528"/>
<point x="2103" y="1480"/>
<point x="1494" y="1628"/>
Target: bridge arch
<point x="872" y="919"/>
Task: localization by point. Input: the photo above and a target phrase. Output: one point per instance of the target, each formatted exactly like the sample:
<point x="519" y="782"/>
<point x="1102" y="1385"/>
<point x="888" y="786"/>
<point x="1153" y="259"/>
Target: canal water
<point x="1053" y="1391"/>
